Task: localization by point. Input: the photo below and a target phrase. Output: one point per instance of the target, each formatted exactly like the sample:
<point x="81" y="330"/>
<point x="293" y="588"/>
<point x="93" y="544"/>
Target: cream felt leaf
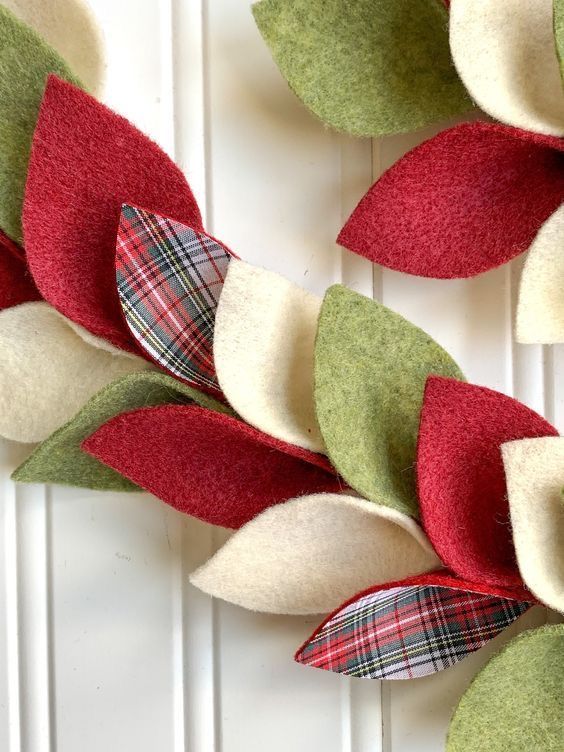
<point x="540" y="310"/>
<point x="505" y="55"/>
<point x="306" y="555"/>
<point x="70" y="28"/>
<point x="534" y="470"/>
<point x="371" y="366"/>
<point x="369" y="67"/>
<point x="48" y="372"/>
<point x="263" y="352"/>
<point x="515" y="702"/>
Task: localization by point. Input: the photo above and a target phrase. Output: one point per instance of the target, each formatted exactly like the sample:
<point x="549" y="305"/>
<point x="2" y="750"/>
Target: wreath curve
<point x="362" y="475"/>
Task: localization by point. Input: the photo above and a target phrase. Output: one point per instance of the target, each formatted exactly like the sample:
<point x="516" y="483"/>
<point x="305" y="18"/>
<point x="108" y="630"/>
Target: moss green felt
<point x="25" y="62"/>
<point x="371" y="366"/>
<point x="516" y="703"/>
<point x="59" y="459"/>
<point x="558" y="17"/>
<point x="368" y="67"/>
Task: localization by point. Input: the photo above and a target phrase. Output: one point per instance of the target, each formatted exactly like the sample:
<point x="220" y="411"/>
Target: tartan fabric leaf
<point x="407" y="632"/>
<point x="169" y="279"/>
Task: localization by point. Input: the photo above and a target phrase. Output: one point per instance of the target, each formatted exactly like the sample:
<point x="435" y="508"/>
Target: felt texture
<point x="407" y="631"/>
<point x="306" y="555"/>
<point x="47" y="372"/>
<point x="208" y="465"/>
<point x="263" y="352"/>
<point x="370" y="371"/>
<point x="469" y="199"/>
<point x="169" y="278"/>
<point x="25" y="63"/>
<point x="534" y="471"/>
<point x="460" y="476"/>
<point x="59" y="459"/>
<point x="71" y="29"/>
<point x="85" y="162"/>
<point x="369" y="68"/>
<point x="515" y="702"/>
<point x="540" y="308"/>
<point x="506" y="57"/>
<point x="558" y="21"/>
<point x="16" y="284"/>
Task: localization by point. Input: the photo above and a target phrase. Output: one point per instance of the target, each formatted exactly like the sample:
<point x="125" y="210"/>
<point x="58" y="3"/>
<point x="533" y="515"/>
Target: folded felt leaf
<point x="460" y="476"/>
<point x="70" y="28"/>
<point x="16" y="284"/>
<point x="515" y="702"/>
<point x="25" y="62"/>
<point x="85" y="162"/>
<point x="534" y="469"/>
<point x="370" y="371"/>
<point x="306" y="555"/>
<point x="463" y="202"/>
<point x="48" y="372"/>
<point x="409" y="629"/>
<point x="263" y="351"/>
<point x="59" y="459"/>
<point x="540" y="310"/>
<point x="208" y="465"/>
<point x="506" y="57"/>
<point x="369" y="68"/>
<point x="169" y="279"/>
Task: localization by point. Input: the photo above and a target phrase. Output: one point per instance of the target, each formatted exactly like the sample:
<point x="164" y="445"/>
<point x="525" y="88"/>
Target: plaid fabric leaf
<point x="169" y="279"/>
<point x="407" y="632"/>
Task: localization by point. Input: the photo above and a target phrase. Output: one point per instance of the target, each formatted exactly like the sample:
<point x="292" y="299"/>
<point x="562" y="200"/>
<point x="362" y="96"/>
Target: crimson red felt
<point x="463" y="202"/>
<point x="16" y="283"/>
<point x="85" y="163"/>
<point x="208" y="464"/>
<point x="440" y="578"/>
<point x="461" y="480"/>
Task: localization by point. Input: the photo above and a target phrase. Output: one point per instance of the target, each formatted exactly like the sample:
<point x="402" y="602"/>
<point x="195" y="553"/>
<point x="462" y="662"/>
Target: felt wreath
<point x="339" y="440"/>
<point x="476" y="195"/>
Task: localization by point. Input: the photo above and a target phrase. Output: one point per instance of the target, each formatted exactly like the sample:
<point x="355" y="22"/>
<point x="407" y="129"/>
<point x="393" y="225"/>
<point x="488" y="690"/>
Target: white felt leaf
<point x="309" y="554"/>
<point x="505" y="54"/>
<point x="48" y="372"/>
<point x="534" y="470"/>
<point x="540" y="310"/>
<point x="70" y="27"/>
<point x="264" y="338"/>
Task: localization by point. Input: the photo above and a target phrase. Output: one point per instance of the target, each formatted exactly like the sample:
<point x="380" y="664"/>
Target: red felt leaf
<point x="461" y="480"/>
<point x="85" y="163"/>
<point x="208" y="464"/>
<point x="463" y="202"/>
<point x="16" y="283"/>
<point x="411" y="628"/>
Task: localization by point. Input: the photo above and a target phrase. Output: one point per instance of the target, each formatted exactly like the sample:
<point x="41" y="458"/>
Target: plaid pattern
<point x="407" y="632"/>
<point x="169" y="279"/>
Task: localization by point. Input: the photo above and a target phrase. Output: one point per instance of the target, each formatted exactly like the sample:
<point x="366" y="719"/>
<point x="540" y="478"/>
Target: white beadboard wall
<point x="103" y="644"/>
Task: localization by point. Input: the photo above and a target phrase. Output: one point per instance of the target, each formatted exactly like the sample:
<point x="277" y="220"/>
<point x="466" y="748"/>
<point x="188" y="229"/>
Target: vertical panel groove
<point x="33" y="609"/>
<point x="12" y="616"/>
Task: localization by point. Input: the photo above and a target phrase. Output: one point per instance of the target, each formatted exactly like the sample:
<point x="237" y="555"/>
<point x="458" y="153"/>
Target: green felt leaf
<point x="516" y="703"/>
<point x="558" y="16"/>
<point x="368" y="67"/>
<point x="59" y="459"/>
<point x="25" y="62"/>
<point x="371" y="366"/>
